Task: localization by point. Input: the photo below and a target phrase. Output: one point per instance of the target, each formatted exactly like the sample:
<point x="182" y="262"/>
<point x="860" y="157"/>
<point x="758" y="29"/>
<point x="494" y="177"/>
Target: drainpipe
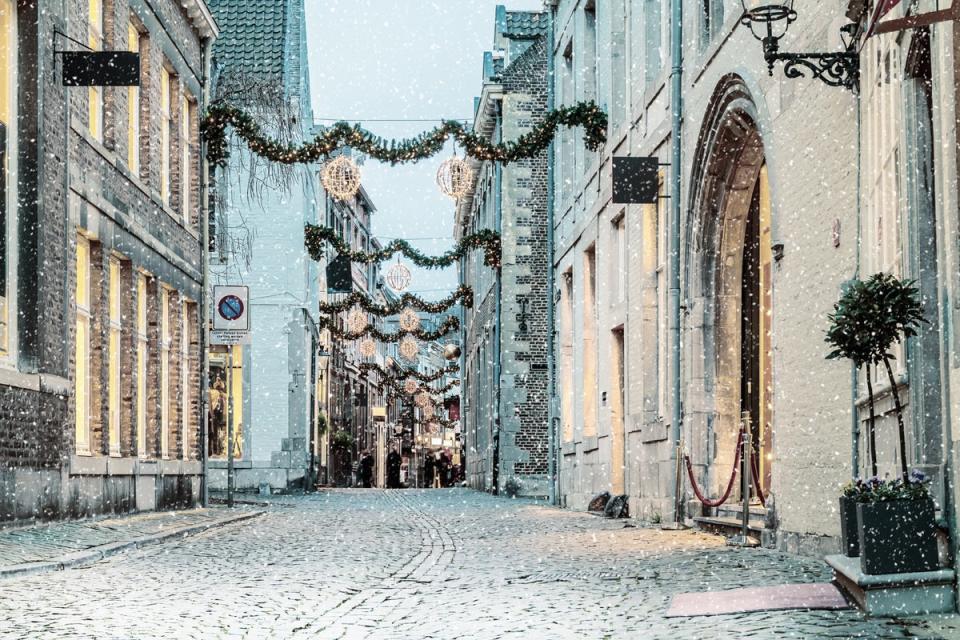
<point x="204" y="285"/>
<point x="676" y="103"/>
<point x="552" y="435"/>
<point x="497" y="361"/>
<point x="854" y="379"/>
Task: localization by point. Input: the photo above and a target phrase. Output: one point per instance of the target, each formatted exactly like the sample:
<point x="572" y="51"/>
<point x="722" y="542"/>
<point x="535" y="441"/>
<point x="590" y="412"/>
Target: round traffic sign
<point x="230" y="307"/>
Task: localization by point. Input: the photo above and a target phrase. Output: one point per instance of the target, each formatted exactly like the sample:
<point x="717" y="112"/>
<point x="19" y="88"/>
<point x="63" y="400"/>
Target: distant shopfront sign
<point x="231" y="315"/>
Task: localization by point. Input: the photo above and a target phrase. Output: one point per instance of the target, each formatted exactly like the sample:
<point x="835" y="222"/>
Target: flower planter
<point x="849" y="531"/>
<point x="898" y="536"/>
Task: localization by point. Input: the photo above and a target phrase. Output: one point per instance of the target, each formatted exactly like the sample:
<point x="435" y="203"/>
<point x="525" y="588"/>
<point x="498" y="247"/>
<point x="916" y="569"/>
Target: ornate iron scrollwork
<point x="840" y="69"/>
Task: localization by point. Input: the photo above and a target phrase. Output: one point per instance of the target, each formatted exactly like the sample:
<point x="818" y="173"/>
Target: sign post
<point x="231" y="326"/>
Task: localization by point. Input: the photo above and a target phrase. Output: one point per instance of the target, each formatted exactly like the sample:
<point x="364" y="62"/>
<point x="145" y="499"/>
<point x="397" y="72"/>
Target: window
<point x="113" y="355"/>
<point x="165" y="372"/>
<point x="653" y="54"/>
<point x="662" y="337"/>
<point x="711" y="20"/>
<point x="184" y="380"/>
<point x="590" y="380"/>
<point x="165" y="124"/>
<point x="8" y="167"/>
<point x="95" y="94"/>
<point x="618" y="265"/>
<point x="186" y="157"/>
<point x="82" y="353"/>
<point x="142" y="365"/>
<point x="133" y="108"/>
<point x="590" y="51"/>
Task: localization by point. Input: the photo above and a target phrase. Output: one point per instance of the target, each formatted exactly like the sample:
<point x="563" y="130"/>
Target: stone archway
<point x="727" y="263"/>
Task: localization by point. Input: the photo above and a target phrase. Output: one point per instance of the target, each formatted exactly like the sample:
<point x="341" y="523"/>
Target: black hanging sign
<point x="101" y="68"/>
<point x="635" y="180"/>
<point x="340" y="275"/>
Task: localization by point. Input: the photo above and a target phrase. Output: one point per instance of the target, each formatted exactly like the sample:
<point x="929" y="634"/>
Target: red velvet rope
<point x="733" y="475"/>
<point x="756" y="478"/>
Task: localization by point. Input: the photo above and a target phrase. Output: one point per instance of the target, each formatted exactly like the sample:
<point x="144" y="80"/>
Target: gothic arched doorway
<point x="728" y="263"/>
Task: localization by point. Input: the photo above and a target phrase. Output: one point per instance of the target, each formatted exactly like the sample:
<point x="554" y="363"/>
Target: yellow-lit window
<point x="95" y="42"/>
<point x="185" y="380"/>
<point x="133" y="108"/>
<point x="8" y="163"/>
<point x="185" y="158"/>
<point x="113" y="375"/>
<point x="165" y="373"/>
<point x="142" y="365"/>
<point x="82" y="353"/>
<point x="165" y="125"/>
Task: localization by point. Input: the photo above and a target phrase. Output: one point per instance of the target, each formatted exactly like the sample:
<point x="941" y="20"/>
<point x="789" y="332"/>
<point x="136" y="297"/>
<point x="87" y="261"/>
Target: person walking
<point x="366" y="469"/>
<point x="428" y="470"/>
<point x="394" y="461"/>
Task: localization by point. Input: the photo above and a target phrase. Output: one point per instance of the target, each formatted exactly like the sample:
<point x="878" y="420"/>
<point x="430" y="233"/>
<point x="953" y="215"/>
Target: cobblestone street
<point x="420" y="564"/>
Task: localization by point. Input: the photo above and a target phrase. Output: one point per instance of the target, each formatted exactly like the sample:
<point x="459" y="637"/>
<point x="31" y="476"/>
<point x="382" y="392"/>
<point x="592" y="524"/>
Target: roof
<point x="525" y="24"/>
<point x="252" y="35"/>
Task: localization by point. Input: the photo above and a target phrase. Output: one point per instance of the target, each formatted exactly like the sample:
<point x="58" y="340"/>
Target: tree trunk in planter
<point x="849" y="531"/>
<point x="899" y="536"/>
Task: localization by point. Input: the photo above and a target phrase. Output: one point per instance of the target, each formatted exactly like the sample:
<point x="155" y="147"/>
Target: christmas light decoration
<point x="398" y="277"/>
<point x="452" y="323"/>
<point x="357" y="320"/>
<point x="463" y="294"/>
<point x="341" y="177"/>
<point x="410" y="386"/>
<point x="409" y="348"/>
<point x="409" y="320"/>
<point x="368" y="348"/>
<point x="451" y="351"/>
<point x="454" y="177"/>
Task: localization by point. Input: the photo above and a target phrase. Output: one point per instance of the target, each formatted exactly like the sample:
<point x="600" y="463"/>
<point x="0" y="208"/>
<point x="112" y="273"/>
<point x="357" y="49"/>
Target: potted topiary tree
<point x="866" y="322"/>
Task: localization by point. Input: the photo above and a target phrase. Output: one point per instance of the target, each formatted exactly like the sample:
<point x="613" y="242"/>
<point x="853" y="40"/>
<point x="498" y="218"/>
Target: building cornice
<point x="484" y="125"/>
<point x="202" y="19"/>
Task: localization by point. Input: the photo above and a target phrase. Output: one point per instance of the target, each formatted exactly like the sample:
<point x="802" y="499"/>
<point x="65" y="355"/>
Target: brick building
<point x="505" y="334"/>
<point x="101" y="261"/>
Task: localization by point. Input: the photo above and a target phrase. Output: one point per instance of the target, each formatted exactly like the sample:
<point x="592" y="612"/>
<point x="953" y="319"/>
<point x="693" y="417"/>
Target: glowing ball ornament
<point x="409" y="348"/>
<point x="454" y="177"/>
<point x="398" y="277"/>
<point x="433" y="428"/>
<point x="422" y="399"/>
<point x="368" y="348"/>
<point x="357" y="320"/>
<point x="410" y="386"/>
<point x="341" y="177"/>
<point x="428" y="411"/>
<point x="409" y="320"/>
<point x="451" y="351"/>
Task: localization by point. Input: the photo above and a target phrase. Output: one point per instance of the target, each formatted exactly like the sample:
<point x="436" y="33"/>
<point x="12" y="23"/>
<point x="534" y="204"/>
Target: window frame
<point x="184" y="378"/>
<point x="141" y="329"/>
<point x="166" y="129"/>
<point x="134" y="125"/>
<point x="165" y="340"/>
<point x="9" y="193"/>
<point x="186" y="156"/>
<point x="82" y="347"/>
<point x="95" y="41"/>
<point x="114" y="351"/>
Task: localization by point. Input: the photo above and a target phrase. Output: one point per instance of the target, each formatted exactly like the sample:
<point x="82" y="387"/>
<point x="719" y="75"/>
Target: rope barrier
<point x="756" y="478"/>
<point x="726" y="494"/>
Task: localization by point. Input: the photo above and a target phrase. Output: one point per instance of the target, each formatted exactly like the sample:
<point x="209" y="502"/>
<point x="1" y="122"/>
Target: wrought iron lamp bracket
<point x="836" y="69"/>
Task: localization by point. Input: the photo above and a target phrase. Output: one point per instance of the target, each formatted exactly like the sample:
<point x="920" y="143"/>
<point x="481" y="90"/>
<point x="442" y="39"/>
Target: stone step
<point x="728" y="526"/>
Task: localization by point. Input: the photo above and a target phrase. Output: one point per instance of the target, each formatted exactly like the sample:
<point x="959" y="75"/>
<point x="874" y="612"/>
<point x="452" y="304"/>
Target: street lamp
<point x="769" y="22"/>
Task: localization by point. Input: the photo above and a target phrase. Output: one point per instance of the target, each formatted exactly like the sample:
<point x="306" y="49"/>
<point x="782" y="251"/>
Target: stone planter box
<point x="849" y="528"/>
<point x="899" y="536"/>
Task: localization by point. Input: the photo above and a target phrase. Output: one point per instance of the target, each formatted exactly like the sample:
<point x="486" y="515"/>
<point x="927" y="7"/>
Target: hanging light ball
<point x="428" y="410"/>
<point x="410" y="386"/>
<point x="368" y="348"/>
<point x="433" y="428"/>
<point x="409" y="347"/>
<point x="341" y="177"/>
<point x="357" y="320"/>
<point x="409" y="320"/>
<point x="398" y="277"/>
<point x="451" y="351"/>
<point x="422" y="399"/>
<point x="454" y="177"/>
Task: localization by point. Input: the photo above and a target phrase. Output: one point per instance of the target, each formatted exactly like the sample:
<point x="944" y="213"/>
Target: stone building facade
<point x="260" y="63"/>
<point x="768" y="239"/>
<point x="101" y="261"/>
<point x="505" y="371"/>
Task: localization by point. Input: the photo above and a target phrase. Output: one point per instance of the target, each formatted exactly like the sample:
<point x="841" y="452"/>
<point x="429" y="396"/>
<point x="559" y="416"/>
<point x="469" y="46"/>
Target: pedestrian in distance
<point x="394" y="461"/>
<point x="428" y="467"/>
<point x="366" y="469"/>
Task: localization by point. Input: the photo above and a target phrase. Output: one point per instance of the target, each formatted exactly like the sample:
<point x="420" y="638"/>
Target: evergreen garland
<point x="463" y="294"/>
<point x="409" y="373"/>
<point x="486" y="239"/>
<point x="341" y="134"/>
<point x="452" y="323"/>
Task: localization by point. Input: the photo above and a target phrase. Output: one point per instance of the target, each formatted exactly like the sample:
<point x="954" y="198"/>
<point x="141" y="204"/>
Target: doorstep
<point x="895" y="594"/>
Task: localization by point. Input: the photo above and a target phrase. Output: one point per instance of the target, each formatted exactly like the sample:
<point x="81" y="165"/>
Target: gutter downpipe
<point x="204" y="286"/>
<point x="676" y="104"/>
<point x="498" y="209"/>
<point x="854" y="374"/>
<point x="552" y="446"/>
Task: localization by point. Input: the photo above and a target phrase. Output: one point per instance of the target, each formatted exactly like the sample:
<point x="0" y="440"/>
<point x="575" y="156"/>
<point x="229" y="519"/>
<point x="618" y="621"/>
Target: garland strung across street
<point x="463" y="294"/>
<point x="489" y="241"/>
<point x="341" y="134"/>
<point x="409" y="373"/>
<point x="452" y="323"/>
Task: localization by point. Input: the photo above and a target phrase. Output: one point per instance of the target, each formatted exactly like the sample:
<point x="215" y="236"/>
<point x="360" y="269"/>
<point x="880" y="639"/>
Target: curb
<point x="92" y="555"/>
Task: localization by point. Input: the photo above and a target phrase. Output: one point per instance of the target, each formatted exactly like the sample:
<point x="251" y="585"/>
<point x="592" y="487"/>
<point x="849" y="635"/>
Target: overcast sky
<point x="408" y="59"/>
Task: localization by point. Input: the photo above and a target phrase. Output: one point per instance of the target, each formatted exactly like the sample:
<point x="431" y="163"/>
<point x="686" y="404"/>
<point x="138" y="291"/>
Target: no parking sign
<point x="231" y="315"/>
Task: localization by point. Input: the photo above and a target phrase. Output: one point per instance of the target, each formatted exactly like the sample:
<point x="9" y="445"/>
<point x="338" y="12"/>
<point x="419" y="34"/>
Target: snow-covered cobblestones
<point x="418" y="564"/>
